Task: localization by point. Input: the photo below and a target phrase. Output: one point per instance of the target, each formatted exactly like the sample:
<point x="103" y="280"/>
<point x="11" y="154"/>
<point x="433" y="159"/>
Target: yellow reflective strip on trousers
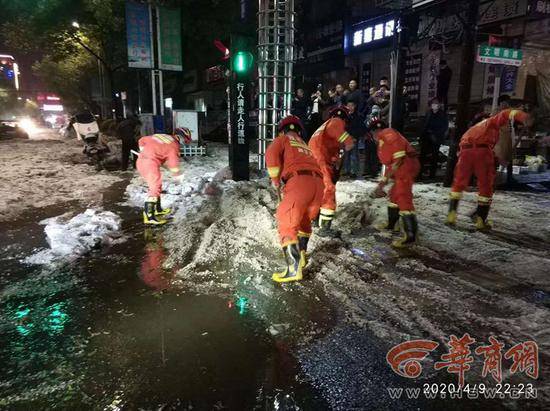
<point x="455" y="196"/>
<point x="327" y="212"/>
<point x="482" y="199"/>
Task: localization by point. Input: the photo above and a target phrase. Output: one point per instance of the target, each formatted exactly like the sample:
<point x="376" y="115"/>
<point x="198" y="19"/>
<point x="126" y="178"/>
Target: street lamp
<point x="100" y="66"/>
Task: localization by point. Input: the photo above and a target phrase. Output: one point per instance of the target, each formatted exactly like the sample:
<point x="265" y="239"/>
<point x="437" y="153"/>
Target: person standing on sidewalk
<point x="357" y="130"/>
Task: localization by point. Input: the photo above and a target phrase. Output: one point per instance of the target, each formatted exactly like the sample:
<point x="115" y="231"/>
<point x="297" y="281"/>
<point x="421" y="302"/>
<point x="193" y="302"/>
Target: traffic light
<point x="242" y="62"/>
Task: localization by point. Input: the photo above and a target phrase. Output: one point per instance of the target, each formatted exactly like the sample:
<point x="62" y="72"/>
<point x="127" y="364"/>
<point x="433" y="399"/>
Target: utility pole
<point x="464" y="86"/>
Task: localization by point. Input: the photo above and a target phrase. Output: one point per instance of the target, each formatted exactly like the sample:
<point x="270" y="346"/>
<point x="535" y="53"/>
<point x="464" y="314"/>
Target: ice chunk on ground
<point x="72" y="237"/>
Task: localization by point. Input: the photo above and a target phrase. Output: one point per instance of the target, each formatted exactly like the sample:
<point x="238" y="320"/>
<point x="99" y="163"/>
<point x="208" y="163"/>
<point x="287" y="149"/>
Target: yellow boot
<point x="452" y="215"/>
<point x="161" y="211"/>
<point x="303" y="240"/>
<point x="480" y="217"/>
<point x="410" y="227"/>
<point x="393" y="219"/>
<point x="295" y="263"/>
<point x="149" y="215"/>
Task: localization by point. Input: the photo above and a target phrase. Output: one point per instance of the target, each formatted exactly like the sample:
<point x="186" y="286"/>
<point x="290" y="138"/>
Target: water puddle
<point x="110" y="331"/>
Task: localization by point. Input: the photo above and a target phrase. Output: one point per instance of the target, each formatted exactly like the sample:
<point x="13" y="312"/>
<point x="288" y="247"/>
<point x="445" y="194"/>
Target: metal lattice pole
<point x="275" y="68"/>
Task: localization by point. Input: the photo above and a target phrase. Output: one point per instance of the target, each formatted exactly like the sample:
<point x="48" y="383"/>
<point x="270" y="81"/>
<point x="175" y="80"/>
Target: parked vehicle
<point x="12" y="129"/>
<point x="87" y="130"/>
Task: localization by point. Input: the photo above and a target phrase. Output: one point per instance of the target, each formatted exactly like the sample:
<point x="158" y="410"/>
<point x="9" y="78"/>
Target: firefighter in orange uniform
<point x="290" y="161"/>
<point x="325" y="145"/>
<point x="402" y="167"/>
<point x="154" y="152"/>
<point x="476" y="157"/>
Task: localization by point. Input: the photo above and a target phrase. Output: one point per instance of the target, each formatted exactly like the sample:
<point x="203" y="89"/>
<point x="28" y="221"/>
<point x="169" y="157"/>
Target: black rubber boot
<point x="295" y="263"/>
<point x="159" y="210"/>
<point x="302" y="245"/>
<point x="149" y="214"/>
<point x="393" y="219"/>
<point x="480" y="216"/>
<point x="410" y="227"/>
<point x="452" y="215"/>
<point x="326" y="230"/>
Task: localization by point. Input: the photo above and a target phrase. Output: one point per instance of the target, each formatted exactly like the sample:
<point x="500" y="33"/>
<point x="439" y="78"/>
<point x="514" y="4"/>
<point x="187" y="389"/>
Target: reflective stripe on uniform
<point x="455" y="195"/>
<point x="287" y="243"/>
<point x="302" y="234"/>
<point x="399" y="154"/>
<point x="327" y="212"/>
<point x="273" y="171"/>
<point x="343" y="137"/>
<point x="512" y="115"/>
<point x="174" y="170"/>
<point x="393" y="205"/>
<point x="406" y="212"/>
<point x="163" y="138"/>
<point x="482" y="199"/>
<point x="299" y="145"/>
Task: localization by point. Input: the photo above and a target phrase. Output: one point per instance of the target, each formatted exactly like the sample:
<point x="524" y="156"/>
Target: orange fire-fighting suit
<point x="154" y="151"/>
<point x="476" y="154"/>
<point x="402" y="166"/>
<point x="325" y="145"/>
<point x="289" y="160"/>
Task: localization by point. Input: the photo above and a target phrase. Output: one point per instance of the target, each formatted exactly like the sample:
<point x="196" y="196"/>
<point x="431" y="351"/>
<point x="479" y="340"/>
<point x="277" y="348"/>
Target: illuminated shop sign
<point x="373" y="33"/>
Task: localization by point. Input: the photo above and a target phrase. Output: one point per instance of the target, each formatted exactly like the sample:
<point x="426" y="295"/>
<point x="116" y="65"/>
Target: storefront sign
<point x="508" y="79"/>
<point x="372" y="33"/>
<point x="499" y="55"/>
<point x="433" y="26"/>
<point x="498" y="10"/>
<point x="413" y="77"/>
<point x="169" y="28"/>
<point x="138" y="33"/>
<point x="540" y="8"/>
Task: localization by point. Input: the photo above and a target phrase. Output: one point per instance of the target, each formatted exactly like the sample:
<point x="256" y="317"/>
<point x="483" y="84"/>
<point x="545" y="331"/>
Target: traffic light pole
<point x="239" y="97"/>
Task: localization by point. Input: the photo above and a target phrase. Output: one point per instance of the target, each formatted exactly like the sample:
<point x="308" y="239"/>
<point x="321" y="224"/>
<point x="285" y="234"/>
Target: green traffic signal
<point x="242" y="62"/>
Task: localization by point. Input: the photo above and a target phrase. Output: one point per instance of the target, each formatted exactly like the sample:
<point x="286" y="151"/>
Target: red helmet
<point x="291" y="123"/>
<point x="376" y="123"/>
<point x="183" y="134"/>
<point x="339" y="111"/>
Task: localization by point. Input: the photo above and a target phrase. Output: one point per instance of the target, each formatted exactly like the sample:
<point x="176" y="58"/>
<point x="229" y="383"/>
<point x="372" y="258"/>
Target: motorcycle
<point x="87" y="130"/>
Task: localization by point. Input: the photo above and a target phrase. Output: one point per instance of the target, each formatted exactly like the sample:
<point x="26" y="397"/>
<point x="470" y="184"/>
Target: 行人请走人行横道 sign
<point x="499" y="55"/>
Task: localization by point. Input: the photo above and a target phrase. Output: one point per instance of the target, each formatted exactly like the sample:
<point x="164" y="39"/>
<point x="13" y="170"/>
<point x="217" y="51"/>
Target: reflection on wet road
<point x="109" y="331"/>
